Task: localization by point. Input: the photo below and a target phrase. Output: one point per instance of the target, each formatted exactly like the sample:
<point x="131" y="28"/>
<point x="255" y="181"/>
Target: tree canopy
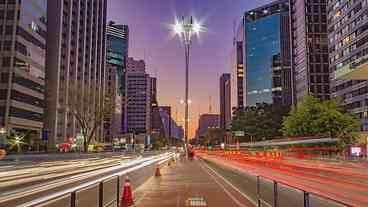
<point x="313" y="117"/>
<point x="259" y="122"/>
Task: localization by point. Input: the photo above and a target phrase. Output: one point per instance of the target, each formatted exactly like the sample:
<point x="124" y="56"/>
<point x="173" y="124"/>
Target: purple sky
<point x="150" y="40"/>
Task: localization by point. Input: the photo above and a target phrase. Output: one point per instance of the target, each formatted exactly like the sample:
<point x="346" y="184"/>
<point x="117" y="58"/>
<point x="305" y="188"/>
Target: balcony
<point x="357" y="70"/>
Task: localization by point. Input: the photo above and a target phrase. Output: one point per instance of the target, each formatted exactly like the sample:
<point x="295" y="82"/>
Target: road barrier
<point x="103" y="192"/>
<point x="306" y="195"/>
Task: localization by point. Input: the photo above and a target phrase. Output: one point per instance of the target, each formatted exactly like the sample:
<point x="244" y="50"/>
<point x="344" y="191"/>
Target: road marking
<point x="221" y="185"/>
<point x="230" y="184"/>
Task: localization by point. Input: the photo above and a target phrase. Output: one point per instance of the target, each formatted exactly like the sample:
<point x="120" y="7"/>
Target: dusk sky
<point x="151" y="40"/>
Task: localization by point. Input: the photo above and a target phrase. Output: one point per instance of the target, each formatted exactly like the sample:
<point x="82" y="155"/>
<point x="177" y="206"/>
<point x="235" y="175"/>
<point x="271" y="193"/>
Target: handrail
<point x="276" y="182"/>
<point x="142" y="164"/>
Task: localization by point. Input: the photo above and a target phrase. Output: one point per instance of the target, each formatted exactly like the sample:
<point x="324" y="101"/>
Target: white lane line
<point x="230" y="184"/>
<point x="223" y="187"/>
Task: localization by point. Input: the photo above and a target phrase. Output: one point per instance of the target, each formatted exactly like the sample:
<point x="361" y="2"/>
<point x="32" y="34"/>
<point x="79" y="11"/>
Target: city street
<point x="186" y="103"/>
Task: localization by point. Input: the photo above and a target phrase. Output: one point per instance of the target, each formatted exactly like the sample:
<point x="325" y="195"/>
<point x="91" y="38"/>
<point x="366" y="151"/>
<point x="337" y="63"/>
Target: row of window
<point x="21" y="97"/>
<point x="24" y="114"/>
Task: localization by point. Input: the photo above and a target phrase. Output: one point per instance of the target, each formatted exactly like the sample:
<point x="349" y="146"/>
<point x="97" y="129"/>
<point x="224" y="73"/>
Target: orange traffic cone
<point x="158" y="173"/>
<point x="127" y="196"/>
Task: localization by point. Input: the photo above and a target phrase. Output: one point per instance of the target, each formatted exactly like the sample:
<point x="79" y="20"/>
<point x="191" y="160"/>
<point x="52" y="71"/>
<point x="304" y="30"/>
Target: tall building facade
<point x="207" y="121"/>
<point x="239" y="66"/>
<point x="75" y="58"/>
<point x="22" y="71"/>
<point x="347" y="28"/>
<point x="117" y="44"/>
<point x="165" y="114"/>
<point x="309" y="49"/>
<point x="225" y="101"/>
<point x="113" y="122"/>
<point x="138" y="97"/>
<point x="267" y="65"/>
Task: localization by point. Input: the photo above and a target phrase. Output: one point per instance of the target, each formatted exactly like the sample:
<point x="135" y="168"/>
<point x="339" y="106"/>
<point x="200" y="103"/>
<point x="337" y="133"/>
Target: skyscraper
<point x="75" y="58"/>
<point x="348" y="36"/>
<point x="239" y="72"/>
<point x="154" y="91"/>
<point x="165" y="114"/>
<point x="117" y="43"/>
<point x="266" y="58"/>
<point x="309" y="49"/>
<point x="225" y="101"/>
<point x="22" y="71"/>
<point x="138" y="97"/>
<point x="207" y="121"/>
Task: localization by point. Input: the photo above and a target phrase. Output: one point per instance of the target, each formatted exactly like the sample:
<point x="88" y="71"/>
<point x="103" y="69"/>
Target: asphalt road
<point x="32" y="179"/>
<point x="247" y="183"/>
<point x="340" y="182"/>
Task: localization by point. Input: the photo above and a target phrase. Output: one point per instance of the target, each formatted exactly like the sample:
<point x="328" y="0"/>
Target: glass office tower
<point x="267" y="55"/>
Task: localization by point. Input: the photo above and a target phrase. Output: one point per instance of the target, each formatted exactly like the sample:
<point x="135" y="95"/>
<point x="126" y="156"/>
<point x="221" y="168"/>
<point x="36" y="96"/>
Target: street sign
<point x="239" y="133"/>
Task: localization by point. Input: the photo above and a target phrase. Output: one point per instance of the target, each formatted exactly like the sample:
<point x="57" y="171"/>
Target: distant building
<point x="138" y="97"/>
<point x="266" y="46"/>
<point x="154" y="91"/>
<point x="207" y="121"/>
<point x="165" y="113"/>
<point x="22" y="71"/>
<point x="177" y="132"/>
<point x="239" y="64"/>
<point x="117" y="40"/>
<point x="225" y="101"/>
<point x="75" y="57"/>
<point x="309" y="45"/>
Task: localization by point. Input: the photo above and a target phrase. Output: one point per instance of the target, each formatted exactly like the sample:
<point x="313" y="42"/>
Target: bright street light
<point x="185" y="29"/>
<point x="183" y="102"/>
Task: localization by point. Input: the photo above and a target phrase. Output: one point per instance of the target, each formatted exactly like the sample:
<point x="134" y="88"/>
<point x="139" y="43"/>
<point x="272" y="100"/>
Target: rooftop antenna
<point x="234" y="32"/>
<point x="210" y="105"/>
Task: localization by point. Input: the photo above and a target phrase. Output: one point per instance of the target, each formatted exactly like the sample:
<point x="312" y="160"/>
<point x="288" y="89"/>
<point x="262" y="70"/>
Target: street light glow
<point x="197" y="27"/>
<point x="178" y="28"/>
<point x="2" y="130"/>
<point x="186" y="28"/>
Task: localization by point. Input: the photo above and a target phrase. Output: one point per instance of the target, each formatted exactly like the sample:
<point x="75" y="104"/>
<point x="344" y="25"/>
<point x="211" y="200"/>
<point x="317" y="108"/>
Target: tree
<point x="313" y="117"/>
<point x="89" y="112"/>
<point x="213" y="136"/>
<point x="259" y="122"/>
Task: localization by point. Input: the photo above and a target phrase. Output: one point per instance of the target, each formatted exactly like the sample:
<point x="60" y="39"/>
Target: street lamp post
<point x="185" y="29"/>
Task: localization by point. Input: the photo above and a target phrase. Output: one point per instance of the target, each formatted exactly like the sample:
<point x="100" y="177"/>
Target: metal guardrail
<point x="306" y="195"/>
<point x="103" y="192"/>
<point x="266" y="191"/>
<point x="282" y="143"/>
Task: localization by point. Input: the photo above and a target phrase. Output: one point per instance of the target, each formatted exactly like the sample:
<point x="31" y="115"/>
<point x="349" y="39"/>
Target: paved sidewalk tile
<point x="186" y="183"/>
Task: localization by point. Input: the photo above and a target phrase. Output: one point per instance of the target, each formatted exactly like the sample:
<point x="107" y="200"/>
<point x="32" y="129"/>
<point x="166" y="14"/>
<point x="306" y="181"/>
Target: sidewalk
<point x="189" y="183"/>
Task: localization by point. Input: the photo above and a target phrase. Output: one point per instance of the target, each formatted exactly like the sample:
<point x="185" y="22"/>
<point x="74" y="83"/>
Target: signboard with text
<point x="239" y="133"/>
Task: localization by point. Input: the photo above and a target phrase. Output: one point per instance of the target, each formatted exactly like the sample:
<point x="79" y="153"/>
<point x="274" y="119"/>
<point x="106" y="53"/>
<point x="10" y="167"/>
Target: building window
<point x="6" y="61"/>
